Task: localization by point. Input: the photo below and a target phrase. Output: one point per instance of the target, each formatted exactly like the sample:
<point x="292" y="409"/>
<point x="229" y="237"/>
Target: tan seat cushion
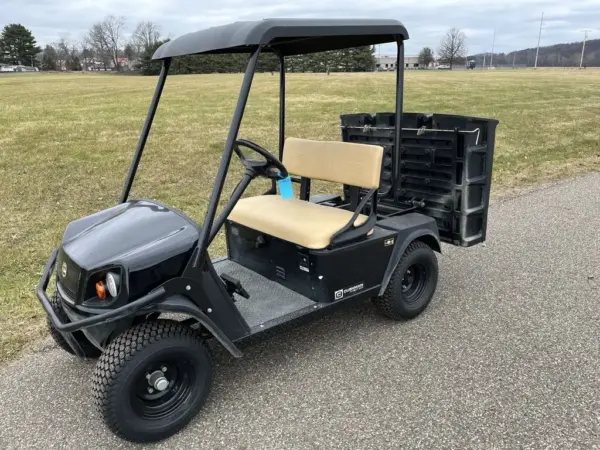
<point x="341" y="162"/>
<point x="303" y="223"/>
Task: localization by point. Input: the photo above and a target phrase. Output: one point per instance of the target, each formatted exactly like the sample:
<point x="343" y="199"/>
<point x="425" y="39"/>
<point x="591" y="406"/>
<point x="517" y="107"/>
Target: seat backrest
<point x="342" y="162"/>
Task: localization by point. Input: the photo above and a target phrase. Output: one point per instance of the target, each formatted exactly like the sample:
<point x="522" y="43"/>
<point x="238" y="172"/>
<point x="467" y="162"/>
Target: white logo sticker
<point x="388" y="242"/>
<point x="350" y="290"/>
<point x="63" y="270"/>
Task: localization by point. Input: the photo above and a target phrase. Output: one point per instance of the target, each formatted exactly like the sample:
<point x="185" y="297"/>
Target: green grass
<point x="66" y="141"/>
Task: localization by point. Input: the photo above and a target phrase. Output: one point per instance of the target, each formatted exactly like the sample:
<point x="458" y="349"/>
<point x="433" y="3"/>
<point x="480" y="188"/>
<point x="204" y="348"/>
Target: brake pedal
<point x="234" y="286"/>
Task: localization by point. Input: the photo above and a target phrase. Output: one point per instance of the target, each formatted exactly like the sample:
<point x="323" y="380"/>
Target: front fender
<point x="182" y="305"/>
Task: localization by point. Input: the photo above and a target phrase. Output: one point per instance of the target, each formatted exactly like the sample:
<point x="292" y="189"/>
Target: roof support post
<point x="145" y="131"/>
<point x="398" y="118"/>
<point x="203" y="241"/>
<point x="281" y="104"/>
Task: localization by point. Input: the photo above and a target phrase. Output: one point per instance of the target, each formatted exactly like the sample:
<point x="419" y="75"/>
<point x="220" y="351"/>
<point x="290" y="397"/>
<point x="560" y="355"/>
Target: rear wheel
<point x="89" y="350"/>
<point x="412" y="284"/>
<point x="152" y="380"/>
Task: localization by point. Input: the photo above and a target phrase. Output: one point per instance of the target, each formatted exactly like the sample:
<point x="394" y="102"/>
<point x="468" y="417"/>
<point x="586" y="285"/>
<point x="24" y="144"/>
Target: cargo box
<point x="443" y="168"/>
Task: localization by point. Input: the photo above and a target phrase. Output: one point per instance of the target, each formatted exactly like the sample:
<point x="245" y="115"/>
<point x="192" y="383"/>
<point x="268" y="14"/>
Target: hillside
<point x="558" y="55"/>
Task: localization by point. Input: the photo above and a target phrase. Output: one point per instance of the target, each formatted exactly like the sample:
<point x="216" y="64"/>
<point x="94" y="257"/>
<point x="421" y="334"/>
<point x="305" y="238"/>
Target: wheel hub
<point x="158" y="380"/>
<point x="408" y="279"/>
<point x="413" y="282"/>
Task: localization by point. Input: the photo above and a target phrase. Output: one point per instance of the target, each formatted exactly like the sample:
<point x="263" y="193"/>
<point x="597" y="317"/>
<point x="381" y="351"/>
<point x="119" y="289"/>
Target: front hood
<point x="137" y="234"/>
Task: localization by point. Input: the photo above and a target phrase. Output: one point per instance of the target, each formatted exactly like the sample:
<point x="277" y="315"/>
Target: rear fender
<point x="422" y="228"/>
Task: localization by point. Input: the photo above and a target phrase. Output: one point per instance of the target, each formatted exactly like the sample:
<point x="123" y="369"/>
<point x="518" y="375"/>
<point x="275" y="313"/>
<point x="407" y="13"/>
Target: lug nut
<point x="150" y="390"/>
<point x="163" y="368"/>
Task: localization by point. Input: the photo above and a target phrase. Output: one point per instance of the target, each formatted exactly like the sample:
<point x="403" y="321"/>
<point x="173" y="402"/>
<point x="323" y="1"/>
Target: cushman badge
<point x="63" y="269"/>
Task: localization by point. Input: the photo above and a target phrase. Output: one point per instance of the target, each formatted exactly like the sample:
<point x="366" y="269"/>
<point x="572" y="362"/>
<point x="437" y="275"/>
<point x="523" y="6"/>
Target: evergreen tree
<point x="147" y="66"/>
<point x="362" y="59"/>
<point x="426" y="57"/>
<point x="268" y="62"/>
<point x="17" y="45"/>
<point x="129" y="52"/>
<point x="49" y="58"/>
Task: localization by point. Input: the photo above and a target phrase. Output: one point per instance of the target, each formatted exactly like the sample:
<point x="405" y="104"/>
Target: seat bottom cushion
<point x="306" y="224"/>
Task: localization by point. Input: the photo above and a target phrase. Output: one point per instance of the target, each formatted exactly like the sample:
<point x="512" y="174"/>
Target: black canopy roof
<point x="287" y="36"/>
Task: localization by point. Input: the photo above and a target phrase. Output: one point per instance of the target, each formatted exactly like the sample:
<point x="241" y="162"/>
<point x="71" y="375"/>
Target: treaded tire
<point x="89" y="349"/>
<point x="129" y="358"/>
<point x="399" y="302"/>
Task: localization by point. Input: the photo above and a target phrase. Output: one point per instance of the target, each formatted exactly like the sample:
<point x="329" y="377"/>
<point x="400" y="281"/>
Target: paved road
<point x="506" y="356"/>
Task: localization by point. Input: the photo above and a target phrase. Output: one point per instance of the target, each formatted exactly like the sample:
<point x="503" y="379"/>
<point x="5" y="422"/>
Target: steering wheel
<point x="269" y="167"/>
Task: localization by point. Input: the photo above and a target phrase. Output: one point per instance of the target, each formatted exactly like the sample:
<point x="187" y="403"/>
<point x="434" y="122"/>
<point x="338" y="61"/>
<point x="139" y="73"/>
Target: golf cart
<point x="409" y="182"/>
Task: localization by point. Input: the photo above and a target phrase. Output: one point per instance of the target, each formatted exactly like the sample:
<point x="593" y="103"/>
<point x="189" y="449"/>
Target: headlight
<point x="112" y="283"/>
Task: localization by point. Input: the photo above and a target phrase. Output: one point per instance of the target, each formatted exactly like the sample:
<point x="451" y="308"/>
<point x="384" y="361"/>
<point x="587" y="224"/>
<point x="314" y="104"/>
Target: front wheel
<point x="412" y="284"/>
<point x="152" y="380"/>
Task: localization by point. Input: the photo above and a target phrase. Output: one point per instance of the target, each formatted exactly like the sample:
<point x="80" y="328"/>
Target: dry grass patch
<point x="66" y="142"/>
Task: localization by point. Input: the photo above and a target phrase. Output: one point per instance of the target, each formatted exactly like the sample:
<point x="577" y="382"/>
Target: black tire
<point x="126" y="398"/>
<point x="412" y="284"/>
<point x="89" y="349"/>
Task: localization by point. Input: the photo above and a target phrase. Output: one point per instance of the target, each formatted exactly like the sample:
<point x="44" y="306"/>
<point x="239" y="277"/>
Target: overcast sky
<point x="516" y="21"/>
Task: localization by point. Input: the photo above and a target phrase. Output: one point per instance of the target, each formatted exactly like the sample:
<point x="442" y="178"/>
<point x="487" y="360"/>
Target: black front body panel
<point x="148" y="245"/>
<point x="325" y="276"/>
<point x="145" y="242"/>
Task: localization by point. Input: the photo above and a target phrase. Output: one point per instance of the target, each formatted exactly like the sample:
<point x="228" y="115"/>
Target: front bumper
<point x="67" y="329"/>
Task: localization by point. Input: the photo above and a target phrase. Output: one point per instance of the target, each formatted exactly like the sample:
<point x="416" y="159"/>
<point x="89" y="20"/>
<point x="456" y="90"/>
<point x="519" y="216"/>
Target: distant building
<point x="6" y="68"/>
<point x="388" y="63"/>
<point x="17" y="68"/>
<point x="22" y="68"/>
<point x="127" y="64"/>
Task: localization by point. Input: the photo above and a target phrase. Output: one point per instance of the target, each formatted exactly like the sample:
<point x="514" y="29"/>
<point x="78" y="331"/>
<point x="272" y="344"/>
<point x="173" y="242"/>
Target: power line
<point x="538" y="46"/>
<point x="493" y="44"/>
<point x="583" y="46"/>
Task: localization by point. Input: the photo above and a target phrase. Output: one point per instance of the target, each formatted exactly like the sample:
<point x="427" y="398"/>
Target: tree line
<point x="109" y="46"/>
<point x="359" y="59"/>
<point x="558" y="55"/>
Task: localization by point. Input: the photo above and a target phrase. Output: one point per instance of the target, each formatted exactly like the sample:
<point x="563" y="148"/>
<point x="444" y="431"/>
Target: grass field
<point x="66" y="142"/>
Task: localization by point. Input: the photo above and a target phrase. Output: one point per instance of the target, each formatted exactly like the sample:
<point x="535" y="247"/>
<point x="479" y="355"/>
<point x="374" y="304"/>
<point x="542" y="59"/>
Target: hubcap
<point x="158" y="380"/>
<point x="413" y="282"/>
<point x="162" y="388"/>
<point x="408" y="279"/>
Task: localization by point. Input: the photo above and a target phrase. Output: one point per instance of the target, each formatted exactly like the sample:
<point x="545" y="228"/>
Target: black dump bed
<point x="443" y="169"/>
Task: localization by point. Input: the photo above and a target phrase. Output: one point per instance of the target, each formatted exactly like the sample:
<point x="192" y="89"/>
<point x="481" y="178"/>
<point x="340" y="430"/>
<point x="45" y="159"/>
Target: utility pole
<point x="514" y="56"/>
<point x="539" y="37"/>
<point x="493" y="44"/>
<point x="484" y="55"/>
<point x="583" y="47"/>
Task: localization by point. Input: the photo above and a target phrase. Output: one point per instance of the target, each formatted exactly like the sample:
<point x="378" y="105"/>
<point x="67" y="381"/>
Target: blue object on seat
<point x="285" y="188"/>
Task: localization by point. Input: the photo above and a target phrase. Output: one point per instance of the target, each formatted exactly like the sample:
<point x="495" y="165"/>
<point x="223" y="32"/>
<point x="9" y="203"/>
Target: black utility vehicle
<point x="410" y="181"/>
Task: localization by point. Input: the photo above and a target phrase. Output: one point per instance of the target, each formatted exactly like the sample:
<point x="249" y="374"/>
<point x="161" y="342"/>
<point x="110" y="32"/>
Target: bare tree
<point x="113" y="31"/>
<point x="145" y="36"/>
<point x="87" y="54"/>
<point x="106" y="38"/>
<point x="99" y="44"/>
<point x="67" y="55"/>
<point x="453" y="47"/>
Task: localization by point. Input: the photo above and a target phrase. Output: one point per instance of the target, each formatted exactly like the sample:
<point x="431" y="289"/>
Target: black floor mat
<point x="268" y="299"/>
